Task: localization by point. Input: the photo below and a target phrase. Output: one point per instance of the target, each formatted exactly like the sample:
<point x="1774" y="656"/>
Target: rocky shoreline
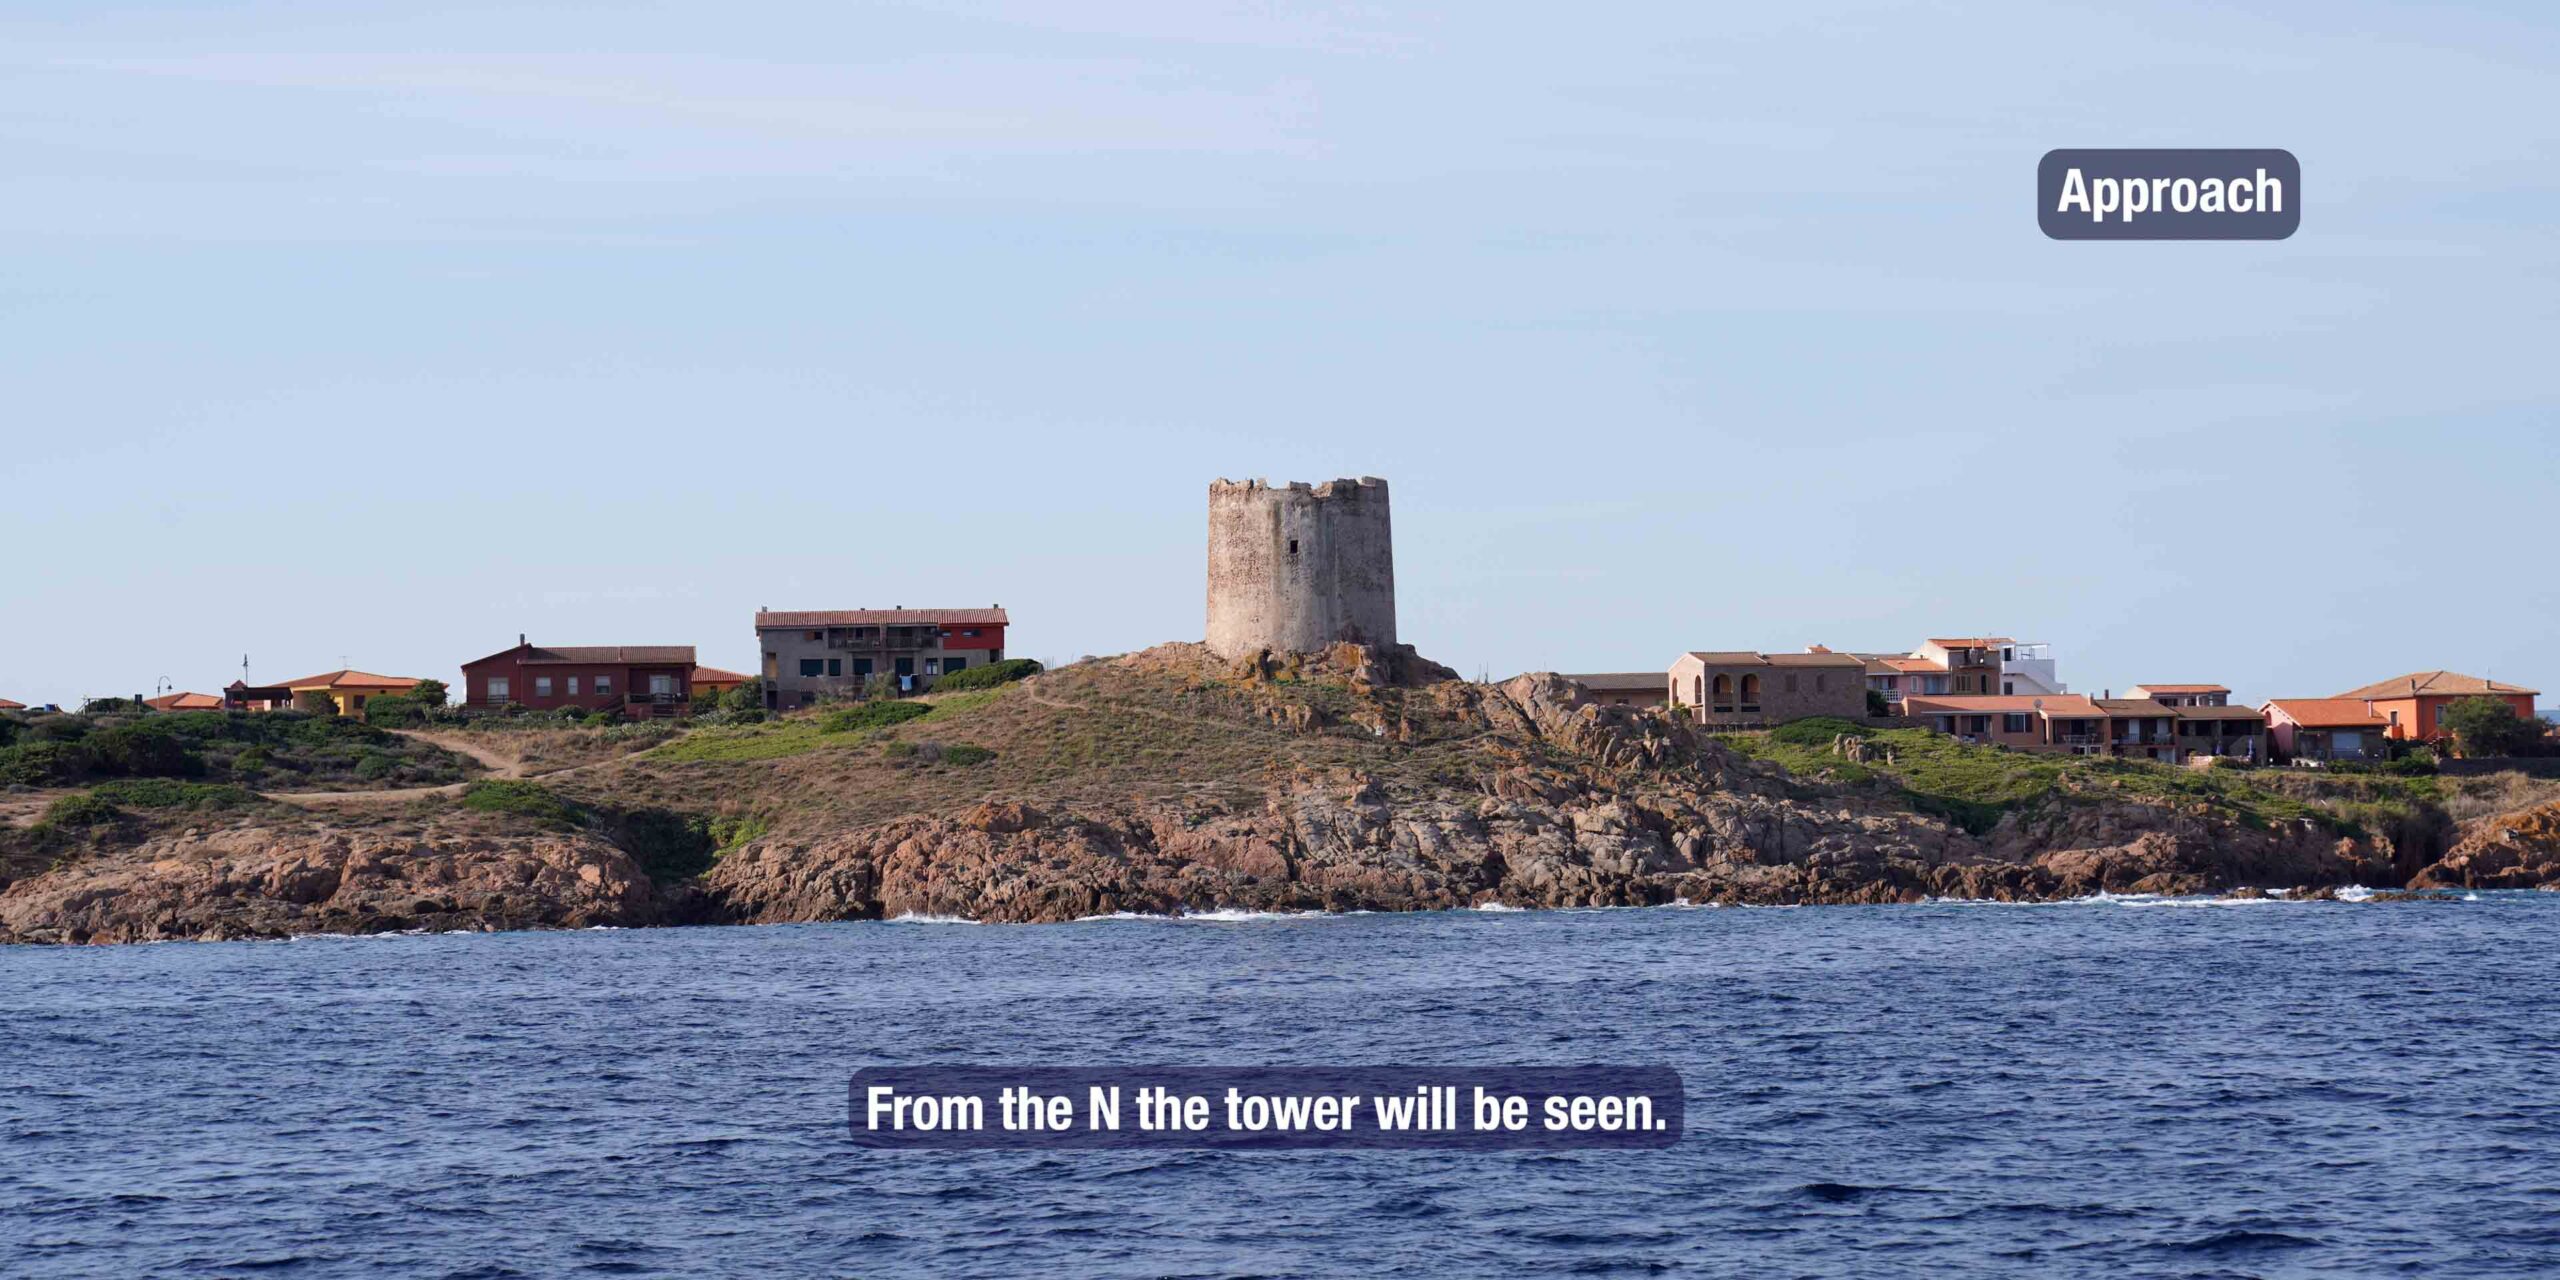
<point x="1581" y="806"/>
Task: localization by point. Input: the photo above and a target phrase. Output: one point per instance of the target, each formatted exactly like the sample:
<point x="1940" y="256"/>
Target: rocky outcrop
<point x="2514" y="851"/>
<point x="267" y="882"/>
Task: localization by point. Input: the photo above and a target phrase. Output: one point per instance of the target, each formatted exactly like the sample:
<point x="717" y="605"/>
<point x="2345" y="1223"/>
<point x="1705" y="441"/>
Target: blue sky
<point x="384" y="333"/>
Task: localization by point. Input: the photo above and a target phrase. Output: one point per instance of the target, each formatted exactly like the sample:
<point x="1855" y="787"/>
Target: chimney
<point x="519" y="639"/>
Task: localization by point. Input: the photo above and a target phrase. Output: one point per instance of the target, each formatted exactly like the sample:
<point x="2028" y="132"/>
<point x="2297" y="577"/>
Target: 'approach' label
<point x="2169" y="195"/>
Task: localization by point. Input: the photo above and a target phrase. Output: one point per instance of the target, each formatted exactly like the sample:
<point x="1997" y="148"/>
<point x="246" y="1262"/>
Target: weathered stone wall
<point x="1297" y="567"/>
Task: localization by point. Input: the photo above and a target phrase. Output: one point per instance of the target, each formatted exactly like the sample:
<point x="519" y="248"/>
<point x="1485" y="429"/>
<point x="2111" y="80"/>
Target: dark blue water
<point x="2082" y="1089"/>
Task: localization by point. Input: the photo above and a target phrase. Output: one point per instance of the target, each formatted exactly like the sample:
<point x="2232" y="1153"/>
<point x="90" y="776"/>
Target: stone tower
<point x="1296" y="568"/>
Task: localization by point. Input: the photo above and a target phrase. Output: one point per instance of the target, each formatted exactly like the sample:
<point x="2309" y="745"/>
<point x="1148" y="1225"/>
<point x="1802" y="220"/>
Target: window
<point x="1751" y="693"/>
<point x="835" y="666"/>
<point x="906" y="666"/>
<point x="2008" y="687"/>
<point x="950" y="665"/>
<point x="499" y="689"/>
<point x="604" y="684"/>
<point x="1821" y="683"/>
<point x="813" y="666"/>
<point x="573" y="686"/>
<point x="817" y="635"/>
<point x="862" y="666"/>
<point x="662" y="685"/>
<point x="1293" y="546"/>
<point x="542" y="686"/>
<point x="933" y="666"/>
<point x="1791" y="682"/>
<point x="2013" y="722"/>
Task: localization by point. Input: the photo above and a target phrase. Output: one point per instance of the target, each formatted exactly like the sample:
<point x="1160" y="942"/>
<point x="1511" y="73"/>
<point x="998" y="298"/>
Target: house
<point x="1972" y="663"/>
<point x="715" y="680"/>
<point x="2057" y="724"/>
<point x="812" y="652"/>
<point x="2325" y="729"/>
<point x="240" y="695"/>
<point x="1735" y="688"/>
<point x="2414" y="705"/>
<point x="351" y="689"/>
<point x="1966" y="665"/>
<point x="641" y="679"/>
<point x="2238" y="733"/>
<point x="1626" y="688"/>
<point x="2183" y="695"/>
<point x="184" y="702"/>
<point x="6" y="705"/>
<point x="2140" y="729"/>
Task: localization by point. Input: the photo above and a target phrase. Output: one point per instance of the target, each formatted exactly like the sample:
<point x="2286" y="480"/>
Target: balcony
<point x="893" y="638"/>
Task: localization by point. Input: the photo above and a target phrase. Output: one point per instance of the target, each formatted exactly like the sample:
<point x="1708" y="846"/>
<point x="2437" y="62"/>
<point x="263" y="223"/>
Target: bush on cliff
<point x="988" y="676"/>
<point x="144" y="750"/>
<point x="78" y="813"/>
<point x="523" y="800"/>
<point x="43" y="764"/>
<point x="167" y="793"/>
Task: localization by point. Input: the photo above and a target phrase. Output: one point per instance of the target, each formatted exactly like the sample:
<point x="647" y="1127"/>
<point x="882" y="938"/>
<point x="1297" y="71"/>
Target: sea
<point x="2114" y="1086"/>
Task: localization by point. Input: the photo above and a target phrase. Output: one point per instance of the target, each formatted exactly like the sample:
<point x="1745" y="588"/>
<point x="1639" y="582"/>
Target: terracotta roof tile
<point x="6" y="705"/>
<point x="1655" y="681"/>
<point x="184" y="702"/>
<point x="2064" y="706"/>
<point x="349" y="679"/>
<point x="2179" y="688"/>
<point x="703" y="675"/>
<point x="2328" y="713"/>
<point x="2434" y="684"/>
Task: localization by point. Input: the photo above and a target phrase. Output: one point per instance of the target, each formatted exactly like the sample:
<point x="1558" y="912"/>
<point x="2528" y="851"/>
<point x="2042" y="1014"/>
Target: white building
<point x="2026" y="668"/>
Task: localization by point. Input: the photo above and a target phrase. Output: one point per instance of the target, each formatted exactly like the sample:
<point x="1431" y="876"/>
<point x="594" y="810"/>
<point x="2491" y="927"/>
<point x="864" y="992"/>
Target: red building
<point x="644" y="680"/>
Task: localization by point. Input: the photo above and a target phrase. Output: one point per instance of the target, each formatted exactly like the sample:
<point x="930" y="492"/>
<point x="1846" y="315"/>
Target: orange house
<point x="2415" y="704"/>
<point x="716" y="680"/>
<point x="184" y="702"/>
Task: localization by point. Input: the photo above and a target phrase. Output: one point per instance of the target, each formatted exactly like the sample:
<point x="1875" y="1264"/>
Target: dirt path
<point x="499" y="765"/>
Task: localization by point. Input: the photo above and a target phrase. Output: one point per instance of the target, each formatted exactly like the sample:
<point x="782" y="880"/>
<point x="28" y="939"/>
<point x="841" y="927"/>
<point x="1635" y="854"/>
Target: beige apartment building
<point x="1738" y="689"/>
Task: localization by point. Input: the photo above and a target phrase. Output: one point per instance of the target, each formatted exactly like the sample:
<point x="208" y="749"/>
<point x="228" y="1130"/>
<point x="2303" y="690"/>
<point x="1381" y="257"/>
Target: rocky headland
<point x="1168" y="781"/>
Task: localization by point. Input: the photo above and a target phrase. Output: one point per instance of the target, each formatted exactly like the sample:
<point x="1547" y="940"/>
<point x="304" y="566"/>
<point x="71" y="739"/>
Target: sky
<point x="375" y="335"/>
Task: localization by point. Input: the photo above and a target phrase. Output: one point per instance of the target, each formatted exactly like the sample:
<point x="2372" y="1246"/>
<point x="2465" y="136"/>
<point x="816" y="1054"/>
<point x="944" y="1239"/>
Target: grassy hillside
<point x="1974" y="786"/>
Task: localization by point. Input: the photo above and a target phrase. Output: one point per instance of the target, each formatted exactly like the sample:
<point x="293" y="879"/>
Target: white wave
<point x="1496" y="906"/>
<point x="918" y="917"/>
<point x="2353" y="893"/>
<point x="1238" y="915"/>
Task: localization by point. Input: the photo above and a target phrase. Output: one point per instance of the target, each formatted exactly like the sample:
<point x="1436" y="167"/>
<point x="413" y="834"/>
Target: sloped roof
<point x="184" y="702"/>
<point x="2434" y="684"/>
<point x="2328" y="713"/>
<point x="1653" y="681"/>
<point x="6" y="705"/>
<point x="2133" y="706"/>
<point x="350" y="679"/>
<point x="2179" y="688"/>
<point x="2067" y="706"/>
<point x="1751" y="658"/>
<point x="1912" y="665"/>
<point x="879" y="618"/>
<point x="2216" y="713"/>
<point x="714" y="675"/>
<point x="610" y="654"/>
<point x="1969" y="642"/>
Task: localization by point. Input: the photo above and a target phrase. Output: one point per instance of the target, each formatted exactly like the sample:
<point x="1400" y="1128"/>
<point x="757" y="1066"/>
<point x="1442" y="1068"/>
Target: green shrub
<point x="963" y="753"/>
<point x="375" y="766"/>
<point x="144" y="749"/>
<point x="2484" y="727"/>
<point x="898" y="750"/>
<point x="388" y="710"/>
<point x="728" y="831"/>
<point x="316" y="702"/>
<point x="72" y="812"/>
<point x="988" y="676"/>
<point x="40" y="764"/>
<point x="872" y="715"/>
<point x="746" y="697"/>
<point x="166" y="793"/>
<point x="108" y="706"/>
<point x="428" y="694"/>
<point x="522" y="799"/>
